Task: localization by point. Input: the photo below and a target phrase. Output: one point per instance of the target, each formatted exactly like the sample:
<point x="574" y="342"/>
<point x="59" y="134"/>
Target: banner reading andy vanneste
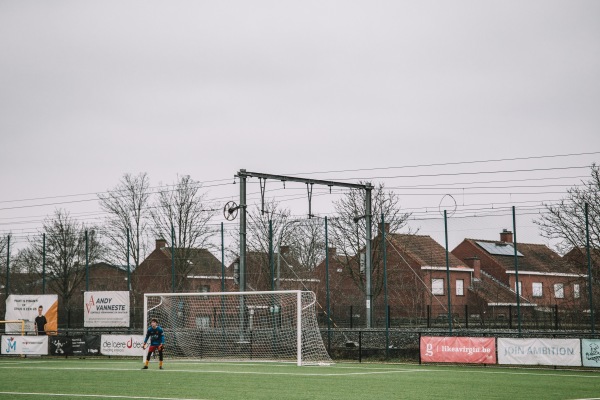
<point x="27" y="307"/>
<point x="106" y="309"/>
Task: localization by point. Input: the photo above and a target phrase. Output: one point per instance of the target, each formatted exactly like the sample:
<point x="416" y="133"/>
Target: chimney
<point x="386" y="227"/>
<point x="331" y="252"/>
<point x="475" y="263"/>
<point x="506" y="236"/>
<point x="160" y="243"/>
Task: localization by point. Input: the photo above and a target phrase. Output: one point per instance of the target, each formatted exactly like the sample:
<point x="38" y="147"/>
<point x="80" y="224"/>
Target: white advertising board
<point x="534" y="351"/>
<point x="122" y="345"/>
<point x="37" y="345"/>
<point x="106" y="309"/>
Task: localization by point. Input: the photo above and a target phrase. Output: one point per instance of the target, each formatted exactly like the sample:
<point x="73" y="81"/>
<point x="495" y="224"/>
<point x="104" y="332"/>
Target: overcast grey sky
<point x="90" y="90"/>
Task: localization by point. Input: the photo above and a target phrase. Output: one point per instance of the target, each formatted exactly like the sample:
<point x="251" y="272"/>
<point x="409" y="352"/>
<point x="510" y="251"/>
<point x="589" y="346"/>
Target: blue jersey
<point x="156" y="336"/>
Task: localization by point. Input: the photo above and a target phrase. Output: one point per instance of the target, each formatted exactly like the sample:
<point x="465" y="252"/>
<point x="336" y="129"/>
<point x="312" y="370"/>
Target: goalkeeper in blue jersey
<point x="157" y="340"/>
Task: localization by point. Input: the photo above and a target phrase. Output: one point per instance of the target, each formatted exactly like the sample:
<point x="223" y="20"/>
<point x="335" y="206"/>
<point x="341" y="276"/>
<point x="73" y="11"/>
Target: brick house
<point x="196" y="270"/>
<point x="288" y="273"/>
<point x="107" y="277"/>
<point x="545" y="278"/>
<point x="416" y="281"/>
<point x="492" y="301"/>
<point x="579" y="259"/>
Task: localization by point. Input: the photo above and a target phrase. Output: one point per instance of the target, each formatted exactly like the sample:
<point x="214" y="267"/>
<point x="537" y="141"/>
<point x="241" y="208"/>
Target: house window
<point x="204" y="289"/>
<point x="576" y="291"/>
<point x="460" y="284"/>
<point x="202" y="322"/>
<point x="363" y="263"/>
<point x="519" y="290"/>
<point x="537" y="289"/>
<point x="437" y="286"/>
<point x="559" y="291"/>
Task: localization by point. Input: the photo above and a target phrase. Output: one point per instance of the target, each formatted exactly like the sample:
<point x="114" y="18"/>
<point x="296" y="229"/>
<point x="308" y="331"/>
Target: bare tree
<point x="127" y="206"/>
<point x="184" y="211"/>
<point x="308" y="238"/>
<point x="258" y="273"/>
<point x="3" y="250"/>
<point x="348" y="231"/>
<point x="65" y="254"/>
<point x="566" y="220"/>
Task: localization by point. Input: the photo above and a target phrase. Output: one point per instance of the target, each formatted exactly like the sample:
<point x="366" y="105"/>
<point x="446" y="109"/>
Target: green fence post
<point x="327" y="287"/>
<point x="7" y="266"/>
<point x="516" y="269"/>
<point x="385" y="289"/>
<point x="222" y="259"/>
<point x="43" y="263"/>
<point x="271" y="257"/>
<point x="172" y="259"/>
<point x="87" y="264"/>
<point x="448" y="273"/>
<point x="589" y="263"/>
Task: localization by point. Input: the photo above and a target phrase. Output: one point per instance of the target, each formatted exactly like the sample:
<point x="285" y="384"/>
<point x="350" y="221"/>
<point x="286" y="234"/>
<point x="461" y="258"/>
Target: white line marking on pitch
<point x="225" y="371"/>
<point x="102" y="396"/>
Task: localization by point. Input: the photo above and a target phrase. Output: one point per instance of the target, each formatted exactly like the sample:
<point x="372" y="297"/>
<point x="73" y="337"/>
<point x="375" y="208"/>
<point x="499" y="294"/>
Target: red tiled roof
<point x="423" y="249"/>
<point x="536" y="258"/>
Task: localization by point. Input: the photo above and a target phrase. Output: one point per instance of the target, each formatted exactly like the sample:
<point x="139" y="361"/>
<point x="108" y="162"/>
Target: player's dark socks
<point x="160" y="367"/>
<point x="145" y="367"/>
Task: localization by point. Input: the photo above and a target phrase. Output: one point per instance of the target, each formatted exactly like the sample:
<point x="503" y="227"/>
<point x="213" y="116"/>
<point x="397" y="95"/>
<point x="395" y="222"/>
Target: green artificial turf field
<point x="29" y="378"/>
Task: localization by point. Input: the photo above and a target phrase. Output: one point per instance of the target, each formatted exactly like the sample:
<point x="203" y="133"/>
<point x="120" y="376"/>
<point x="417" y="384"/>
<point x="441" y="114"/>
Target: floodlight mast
<point x="367" y="187"/>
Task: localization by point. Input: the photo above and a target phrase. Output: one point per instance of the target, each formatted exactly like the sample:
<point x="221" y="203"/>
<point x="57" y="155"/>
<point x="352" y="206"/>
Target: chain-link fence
<point x="440" y="269"/>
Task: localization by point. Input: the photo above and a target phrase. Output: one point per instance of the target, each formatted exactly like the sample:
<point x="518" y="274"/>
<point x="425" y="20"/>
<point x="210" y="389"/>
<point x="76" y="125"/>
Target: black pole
<point x="428" y="316"/>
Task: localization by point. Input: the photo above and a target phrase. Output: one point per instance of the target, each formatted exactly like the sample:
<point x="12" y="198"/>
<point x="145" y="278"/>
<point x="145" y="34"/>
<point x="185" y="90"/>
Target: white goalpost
<point x="239" y="326"/>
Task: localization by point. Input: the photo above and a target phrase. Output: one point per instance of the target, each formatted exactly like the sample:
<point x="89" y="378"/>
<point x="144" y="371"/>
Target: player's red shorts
<point x="152" y="348"/>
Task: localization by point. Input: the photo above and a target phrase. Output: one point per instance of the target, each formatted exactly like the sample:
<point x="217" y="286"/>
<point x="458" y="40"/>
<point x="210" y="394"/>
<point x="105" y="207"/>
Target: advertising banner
<point x="590" y="351"/>
<point x="458" y="350"/>
<point x="27" y="308"/>
<point x="559" y="352"/>
<point x="37" y="345"/>
<point x="88" y="345"/>
<point x="106" y="309"/>
<point x="122" y="345"/>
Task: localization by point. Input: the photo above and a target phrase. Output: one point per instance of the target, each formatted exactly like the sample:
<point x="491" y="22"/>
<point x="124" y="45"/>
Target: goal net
<point x="239" y="326"/>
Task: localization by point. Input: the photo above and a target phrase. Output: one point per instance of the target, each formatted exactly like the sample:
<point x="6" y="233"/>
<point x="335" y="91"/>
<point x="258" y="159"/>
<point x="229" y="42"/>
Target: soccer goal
<point x="15" y="327"/>
<point x="239" y="326"/>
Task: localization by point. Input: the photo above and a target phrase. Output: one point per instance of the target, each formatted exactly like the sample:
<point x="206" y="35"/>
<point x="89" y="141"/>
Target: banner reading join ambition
<point x="458" y="350"/>
<point x="106" y="309"/>
<point x="536" y="351"/>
